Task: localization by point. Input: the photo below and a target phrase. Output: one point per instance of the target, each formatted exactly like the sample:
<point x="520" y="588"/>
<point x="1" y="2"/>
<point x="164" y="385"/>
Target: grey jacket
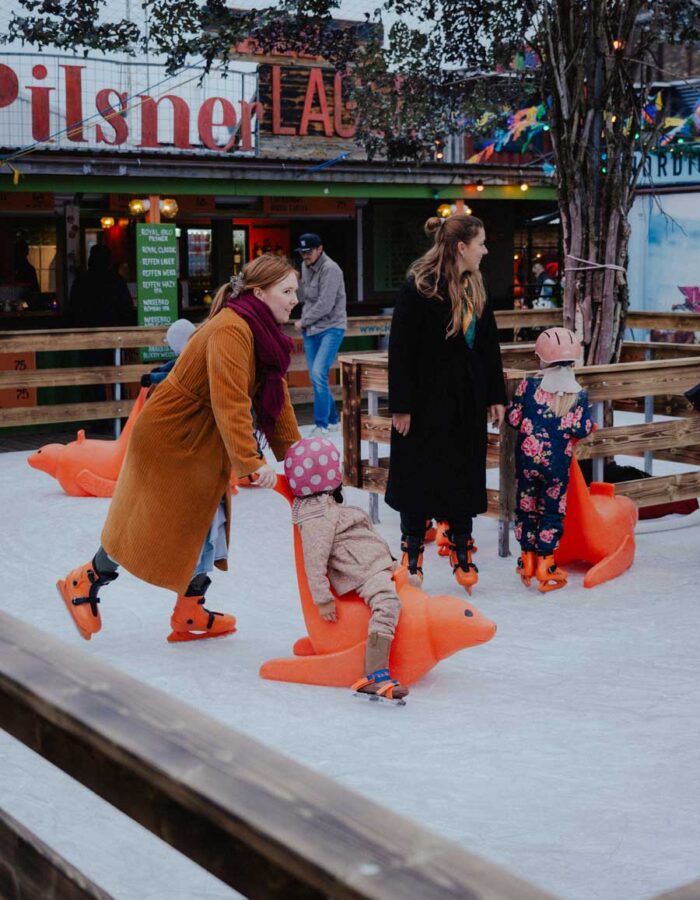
<point x="322" y="293"/>
<point x="340" y="545"/>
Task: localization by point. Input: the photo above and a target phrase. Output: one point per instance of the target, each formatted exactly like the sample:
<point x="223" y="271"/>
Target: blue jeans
<point x="321" y="350"/>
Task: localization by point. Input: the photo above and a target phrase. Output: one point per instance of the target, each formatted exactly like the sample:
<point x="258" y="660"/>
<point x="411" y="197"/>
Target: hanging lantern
<point x="444" y="210"/>
<point x="137" y="207"/>
<point x="169" y="207"/>
<point x="107" y="222"/>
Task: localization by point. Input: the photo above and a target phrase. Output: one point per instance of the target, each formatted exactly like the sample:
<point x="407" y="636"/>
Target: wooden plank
<point x="690" y="891"/>
<point x="638" y="438"/>
<point x="375" y="428"/>
<point x="374" y="377"/>
<point x="37" y="870"/>
<point x="262" y="823"/>
<point x="528" y="318"/>
<point x="519" y="355"/>
<point x="373" y="478"/>
<point x="665" y="405"/>
<point x="66" y="412"/>
<point x="130" y="374"/>
<point x="632" y="350"/>
<point x="639" y="379"/>
<point x="81" y="339"/>
<point x="663" y="320"/>
<point x="661" y="489"/>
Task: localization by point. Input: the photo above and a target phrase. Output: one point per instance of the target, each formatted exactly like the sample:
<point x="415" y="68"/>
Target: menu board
<point x="156" y="273"/>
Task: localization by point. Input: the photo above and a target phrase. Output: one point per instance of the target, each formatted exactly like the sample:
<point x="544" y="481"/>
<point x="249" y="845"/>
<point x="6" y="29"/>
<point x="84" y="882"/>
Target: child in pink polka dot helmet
<point x="312" y="466"/>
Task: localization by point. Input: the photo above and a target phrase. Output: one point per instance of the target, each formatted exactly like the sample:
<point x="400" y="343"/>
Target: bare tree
<point x="435" y="69"/>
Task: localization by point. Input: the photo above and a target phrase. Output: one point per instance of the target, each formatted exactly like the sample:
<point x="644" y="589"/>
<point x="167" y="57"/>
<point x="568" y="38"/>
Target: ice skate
<point x="549" y="575"/>
<point x="412" y="558"/>
<point x="461" y="547"/>
<point x="192" y="621"/>
<point x="79" y="592"/>
<point x="378" y="686"/>
<point x="527" y="564"/>
<point x="442" y="542"/>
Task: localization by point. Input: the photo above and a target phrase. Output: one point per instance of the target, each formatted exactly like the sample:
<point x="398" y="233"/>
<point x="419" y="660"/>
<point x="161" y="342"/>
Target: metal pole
<point x="117" y="391"/>
<point x="598" y="461"/>
<point x="648" y="417"/>
<point x="359" y="214"/>
<point x="373" y="410"/>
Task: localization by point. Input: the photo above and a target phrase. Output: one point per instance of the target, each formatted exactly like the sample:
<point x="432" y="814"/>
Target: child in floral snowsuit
<point x="550" y="411"/>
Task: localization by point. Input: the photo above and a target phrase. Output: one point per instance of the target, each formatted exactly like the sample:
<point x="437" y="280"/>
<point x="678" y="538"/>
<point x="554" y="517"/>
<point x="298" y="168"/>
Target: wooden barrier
<point x="117" y="340"/>
<point x="30" y="868"/>
<point x="261" y="823"/>
<point x="651" y="373"/>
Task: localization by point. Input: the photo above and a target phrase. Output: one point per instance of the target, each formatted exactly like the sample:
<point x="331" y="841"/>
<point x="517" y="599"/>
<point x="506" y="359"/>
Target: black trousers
<point x="414" y="524"/>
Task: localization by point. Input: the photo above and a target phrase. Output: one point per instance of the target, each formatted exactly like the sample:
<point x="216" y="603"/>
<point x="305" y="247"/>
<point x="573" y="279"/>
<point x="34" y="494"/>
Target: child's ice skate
<point x="378" y="685"/>
<point x="461" y="547"/>
<point x="79" y="592"/>
<point x="412" y="558"/>
<point x="527" y="565"/>
<point x="549" y="575"/>
<point x="192" y="621"/>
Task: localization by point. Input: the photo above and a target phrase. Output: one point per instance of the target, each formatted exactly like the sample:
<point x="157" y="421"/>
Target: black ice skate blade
<point x="375" y="698"/>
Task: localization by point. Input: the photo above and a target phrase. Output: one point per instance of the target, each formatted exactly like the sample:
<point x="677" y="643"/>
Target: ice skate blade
<point x="86" y="635"/>
<point x="377" y="698"/>
<point x="179" y="637"/>
<point x="545" y="588"/>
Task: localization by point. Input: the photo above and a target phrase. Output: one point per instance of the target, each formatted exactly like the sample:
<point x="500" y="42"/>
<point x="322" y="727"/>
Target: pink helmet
<point x="312" y="466"/>
<point x="557" y="345"/>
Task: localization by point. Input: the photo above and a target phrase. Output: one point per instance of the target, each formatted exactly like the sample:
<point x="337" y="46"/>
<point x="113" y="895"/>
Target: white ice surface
<point x="566" y="749"/>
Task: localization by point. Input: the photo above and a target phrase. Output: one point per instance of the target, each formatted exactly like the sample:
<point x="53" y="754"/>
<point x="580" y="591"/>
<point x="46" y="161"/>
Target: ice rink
<point x="566" y="750"/>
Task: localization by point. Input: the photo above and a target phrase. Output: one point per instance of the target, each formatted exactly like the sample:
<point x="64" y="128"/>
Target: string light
<point x="524" y="186"/>
<point x="107" y="222"/>
<point x="480" y="185"/>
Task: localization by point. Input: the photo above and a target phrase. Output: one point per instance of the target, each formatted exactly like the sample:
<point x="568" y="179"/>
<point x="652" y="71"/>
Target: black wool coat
<point x="439" y="468"/>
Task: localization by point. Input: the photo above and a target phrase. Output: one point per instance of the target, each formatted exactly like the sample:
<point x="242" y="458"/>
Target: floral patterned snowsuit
<point x="542" y="461"/>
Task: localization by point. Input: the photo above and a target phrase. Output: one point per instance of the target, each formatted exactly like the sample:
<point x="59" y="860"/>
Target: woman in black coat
<point x="445" y="379"/>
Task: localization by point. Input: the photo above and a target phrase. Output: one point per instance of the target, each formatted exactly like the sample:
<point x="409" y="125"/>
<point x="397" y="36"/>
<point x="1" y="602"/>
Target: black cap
<point x="308" y="242"/>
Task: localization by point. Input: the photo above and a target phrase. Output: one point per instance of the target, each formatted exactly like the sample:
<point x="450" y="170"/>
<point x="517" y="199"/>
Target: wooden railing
<point x="258" y="821"/>
<point x="118" y="374"/>
<point x="639" y="381"/>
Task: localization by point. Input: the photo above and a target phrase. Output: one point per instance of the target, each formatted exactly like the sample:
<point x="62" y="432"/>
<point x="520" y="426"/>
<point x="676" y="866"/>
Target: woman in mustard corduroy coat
<point x="196" y="428"/>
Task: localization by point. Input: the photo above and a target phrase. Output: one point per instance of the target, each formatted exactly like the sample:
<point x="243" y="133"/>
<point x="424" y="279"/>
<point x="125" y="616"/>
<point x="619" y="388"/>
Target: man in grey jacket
<point x="323" y="323"/>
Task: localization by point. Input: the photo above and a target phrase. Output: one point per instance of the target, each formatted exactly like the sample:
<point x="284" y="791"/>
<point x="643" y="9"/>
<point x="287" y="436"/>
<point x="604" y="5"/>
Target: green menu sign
<point x="156" y="272"/>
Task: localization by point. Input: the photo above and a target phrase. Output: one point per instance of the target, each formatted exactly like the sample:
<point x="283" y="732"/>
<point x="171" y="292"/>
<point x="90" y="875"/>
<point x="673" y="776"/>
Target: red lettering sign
<point x="149" y="121"/>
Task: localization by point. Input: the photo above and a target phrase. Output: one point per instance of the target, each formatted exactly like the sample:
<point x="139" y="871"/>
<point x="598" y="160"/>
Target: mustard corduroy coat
<point x="192" y="432"/>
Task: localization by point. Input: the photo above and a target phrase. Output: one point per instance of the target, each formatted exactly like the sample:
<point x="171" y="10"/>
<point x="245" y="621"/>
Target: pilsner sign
<point x="156" y="267"/>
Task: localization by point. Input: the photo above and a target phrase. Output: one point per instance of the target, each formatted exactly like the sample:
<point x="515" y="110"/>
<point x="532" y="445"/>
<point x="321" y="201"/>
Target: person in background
<point x="445" y="382"/>
<point x="545" y="285"/>
<point x="176" y="337"/>
<point x="322" y="324"/>
<point x="549" y="411"/>
<point x="24" y="272"/>
<point x="99" y="297"/>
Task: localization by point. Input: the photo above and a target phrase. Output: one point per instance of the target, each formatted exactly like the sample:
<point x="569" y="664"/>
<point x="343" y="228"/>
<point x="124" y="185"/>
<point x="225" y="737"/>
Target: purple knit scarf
<point x="273" y="350"/>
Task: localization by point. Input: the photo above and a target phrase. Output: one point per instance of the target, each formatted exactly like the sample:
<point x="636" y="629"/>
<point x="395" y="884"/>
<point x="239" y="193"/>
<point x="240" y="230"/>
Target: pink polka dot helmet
<point x="312" y="466"/>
